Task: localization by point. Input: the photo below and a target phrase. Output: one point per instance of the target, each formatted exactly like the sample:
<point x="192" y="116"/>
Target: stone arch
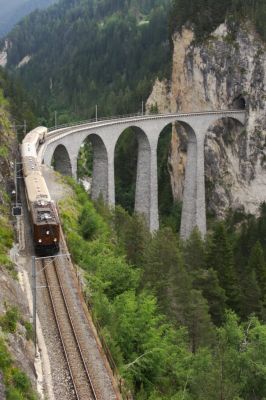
<point x="143" y="168"/>
<point x="224" y="137"/>
<point x="185" y="125"/>
<point x="189" y="196"/>
<point x="238" y="121"/>
<point x="61" y="160"/>
<point x="99" y="185"/>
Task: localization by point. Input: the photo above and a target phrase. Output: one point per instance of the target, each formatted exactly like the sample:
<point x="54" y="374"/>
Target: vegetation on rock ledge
<point x="206" y="15"/>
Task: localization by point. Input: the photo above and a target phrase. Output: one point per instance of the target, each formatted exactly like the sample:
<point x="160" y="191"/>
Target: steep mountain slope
<point x="81" y="53"/>
<point x="16" y="346"/>
<point x="226" y="71"/>
<point x="12" y="11"/>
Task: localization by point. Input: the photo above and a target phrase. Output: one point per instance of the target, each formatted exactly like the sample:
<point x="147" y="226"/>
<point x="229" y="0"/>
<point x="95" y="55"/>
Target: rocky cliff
<point x="226" y="71"/>
<point x="16" y="346"/>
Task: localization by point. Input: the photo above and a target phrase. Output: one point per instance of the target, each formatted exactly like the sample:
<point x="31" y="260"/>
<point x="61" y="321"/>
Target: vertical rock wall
<point x="226" y="71"/>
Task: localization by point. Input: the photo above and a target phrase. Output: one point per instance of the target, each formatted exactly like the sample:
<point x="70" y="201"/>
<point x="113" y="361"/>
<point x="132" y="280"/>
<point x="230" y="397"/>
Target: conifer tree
<point x="135" y="239"/>
<point x="207" y="281"/>
<point x="257" y="264"/>
<point x="220" y="258"/>
<point x="251" y="294"/>
<point x="198" y="321"/>
<point x="261" y="235"/>
<point x="162" y="263"/>
<point x="194" y="252"/>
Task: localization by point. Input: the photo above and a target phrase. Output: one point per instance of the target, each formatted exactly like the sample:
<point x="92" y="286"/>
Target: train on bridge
<point x="43" y="213"/>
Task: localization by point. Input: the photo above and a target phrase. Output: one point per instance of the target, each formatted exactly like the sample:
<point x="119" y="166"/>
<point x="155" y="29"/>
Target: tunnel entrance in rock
<point x="239" y="103"/>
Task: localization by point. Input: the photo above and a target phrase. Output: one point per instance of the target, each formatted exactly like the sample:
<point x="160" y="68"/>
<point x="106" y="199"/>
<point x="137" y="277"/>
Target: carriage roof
<point x="36" y="188"/>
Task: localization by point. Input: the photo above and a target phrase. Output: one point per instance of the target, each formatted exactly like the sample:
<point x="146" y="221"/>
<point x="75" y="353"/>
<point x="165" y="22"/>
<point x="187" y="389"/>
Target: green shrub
<point x="14" y="394"/>
<point x="29" y="330"/>
<point x="6" y="234"/>
<point x="17" y="384"/>
<point x="91" y="223"/>
<point x="20" y="380"/>
<point x="9" y="321"/>
<point x="5" y="359"/>
<point x="5" y="260"/>
<point x="3" y="151"/>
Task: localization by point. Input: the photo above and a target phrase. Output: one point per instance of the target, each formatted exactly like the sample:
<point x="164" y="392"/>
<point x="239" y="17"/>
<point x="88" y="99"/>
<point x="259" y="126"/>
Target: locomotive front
<point x="46" y="230"/>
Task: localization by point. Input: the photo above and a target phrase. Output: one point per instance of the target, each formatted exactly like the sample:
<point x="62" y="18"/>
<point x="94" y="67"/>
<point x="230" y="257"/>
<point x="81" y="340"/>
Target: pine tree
<point x="251" y="293"/>
<point x="261" y="236"/>
<point x="135" y="239"/>
<point x="220" y="258"/>
<point x="162" y="263"/>
<point x="194" y="252"/>
<point x="257" y="264"/>
<point x="198" y="321"/>
<point x="207" y="281"/>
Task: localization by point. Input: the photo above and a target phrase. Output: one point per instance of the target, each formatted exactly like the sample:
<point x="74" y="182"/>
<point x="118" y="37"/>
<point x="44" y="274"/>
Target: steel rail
<point x="61" y="334"/>
<point x="75" y="334"/>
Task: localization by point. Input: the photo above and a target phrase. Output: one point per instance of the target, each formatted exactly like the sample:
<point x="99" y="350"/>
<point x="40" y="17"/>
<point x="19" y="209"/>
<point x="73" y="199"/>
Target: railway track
<point x="68" y="333"/>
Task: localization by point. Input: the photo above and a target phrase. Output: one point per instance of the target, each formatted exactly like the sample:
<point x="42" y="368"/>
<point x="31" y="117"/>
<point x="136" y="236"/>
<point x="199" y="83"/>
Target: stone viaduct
<point x="64" y="144"/>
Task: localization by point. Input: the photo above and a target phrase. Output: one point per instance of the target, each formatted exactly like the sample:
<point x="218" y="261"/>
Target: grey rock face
<point x="226" y="71"/>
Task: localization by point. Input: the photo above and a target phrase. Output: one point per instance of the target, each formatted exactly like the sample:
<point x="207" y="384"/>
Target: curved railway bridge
<point x="63" y="145"/>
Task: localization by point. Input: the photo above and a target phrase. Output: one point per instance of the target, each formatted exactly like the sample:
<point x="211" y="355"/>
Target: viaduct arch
<point x="61" y="160"/>
<point x="104" y="136"/>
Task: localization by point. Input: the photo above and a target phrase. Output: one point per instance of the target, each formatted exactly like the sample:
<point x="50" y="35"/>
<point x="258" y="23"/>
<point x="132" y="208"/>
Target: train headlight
<point x="47" y="232"/>
<point x="55" y="240"/>
<point x="40" y="241"/>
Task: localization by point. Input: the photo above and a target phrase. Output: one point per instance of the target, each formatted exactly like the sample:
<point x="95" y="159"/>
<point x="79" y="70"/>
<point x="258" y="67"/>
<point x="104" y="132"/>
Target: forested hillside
<point x="83" y="53"/>
<point x="206" y="15"/>
<point x="89" y="52"/>
<point x="20" y="106"/>
<point x="13" y="10"/>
